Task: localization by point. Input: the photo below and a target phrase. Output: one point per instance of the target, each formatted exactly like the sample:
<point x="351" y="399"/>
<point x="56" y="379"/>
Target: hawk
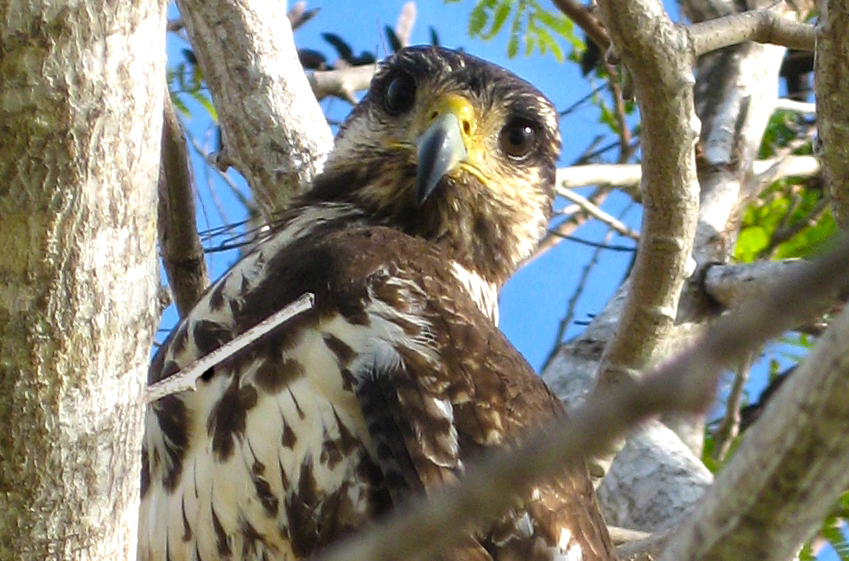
<point x="440" y="184"/>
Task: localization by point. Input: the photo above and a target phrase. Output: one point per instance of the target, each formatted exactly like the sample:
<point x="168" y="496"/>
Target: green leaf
<point x="501" y="13"/>
<point x="198" y="96"/>
<point x="547" y="42"/>
<point x="181" y="107"/>
<point x="512" y="46"/>
<point x="558" y="23"/>
<point x="478" y="17"/>
<point x="750" y="243"/>
<point x="530" y="42"/>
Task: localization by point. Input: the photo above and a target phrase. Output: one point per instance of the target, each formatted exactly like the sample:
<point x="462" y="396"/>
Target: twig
<point x="786" y="104"/>
<point x="182" y="252"/>
<point x="729" y="427"/>
<point x="764" y="26"/>
<point x="404" y="24"/>
<point x="343" y="83"/>
<point x="299" y="15"/>
<point x="684" y="384"/>
<point x="573" y="300"/>
<point x="783" y="234"/>
<point x="564" y="229"/>
<point x="597" y="245"/>
<point x="627" y="176"/>
<point x="596" y="212"/>
<point x="186" y="378"/>
<point x="625" y="535"/>
<point x="622" y="129"/>
<point x="647" y="549"/>
<point x="583" y="18"/>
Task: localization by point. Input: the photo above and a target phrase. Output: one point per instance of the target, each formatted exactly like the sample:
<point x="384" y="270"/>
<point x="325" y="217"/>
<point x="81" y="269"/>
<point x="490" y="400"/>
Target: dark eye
<point x="401" y="94"/>
<point x="517" y="138"/>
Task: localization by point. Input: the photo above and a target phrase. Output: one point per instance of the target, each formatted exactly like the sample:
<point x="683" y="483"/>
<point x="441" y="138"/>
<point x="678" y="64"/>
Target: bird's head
<point x="453" y="149"/>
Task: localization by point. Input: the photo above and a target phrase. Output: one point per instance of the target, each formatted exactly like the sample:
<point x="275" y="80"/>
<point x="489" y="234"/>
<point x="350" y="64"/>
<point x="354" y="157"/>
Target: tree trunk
<point x="81" y="89"/>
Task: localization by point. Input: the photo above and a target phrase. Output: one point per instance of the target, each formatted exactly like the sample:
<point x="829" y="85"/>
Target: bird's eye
<point x="400" y="95"/>
<point x="517" y="138"/>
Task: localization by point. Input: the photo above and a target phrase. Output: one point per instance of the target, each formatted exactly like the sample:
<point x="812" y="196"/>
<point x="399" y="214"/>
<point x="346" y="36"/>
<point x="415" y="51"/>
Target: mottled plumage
<point x="440" y="184"/>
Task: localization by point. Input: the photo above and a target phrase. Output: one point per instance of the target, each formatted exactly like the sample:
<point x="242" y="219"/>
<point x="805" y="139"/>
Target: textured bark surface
<point x="273" y="129"/>
<point x="831" y="67"/>
<point x="735" y="91"/>
<point x="81" y="87"/>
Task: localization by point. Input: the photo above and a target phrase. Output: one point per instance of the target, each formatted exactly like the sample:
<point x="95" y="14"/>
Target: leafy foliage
<point x="531" y="27"/>
<point x="789" y="219"/>
<point x="185" y="79"/>
<point x="832" y="531"/>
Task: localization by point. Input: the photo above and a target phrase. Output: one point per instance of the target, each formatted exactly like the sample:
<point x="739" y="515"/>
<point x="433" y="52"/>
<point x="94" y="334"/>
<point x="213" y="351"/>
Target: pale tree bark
<point x="273" y="130"/>
<point x="735" y="91"/>
<point x="81" y="88"/>
<point x="832" y="64"/>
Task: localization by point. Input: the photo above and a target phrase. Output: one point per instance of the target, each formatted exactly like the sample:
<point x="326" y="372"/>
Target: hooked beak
<point x="443" y="145"/>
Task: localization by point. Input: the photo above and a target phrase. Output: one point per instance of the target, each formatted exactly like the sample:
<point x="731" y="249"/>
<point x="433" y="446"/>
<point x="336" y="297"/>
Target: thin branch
<point x="404" y="24"/>
<point x="729" y="427"/>
<point x="785" y="233"/>
<point x="803" y="107"/>
<point x="627" y="176"/>
<point x="299" y="15"/>
<point x="763" y="26"/>
<point x="564" y="229"/>
<point x="622" y="129"/>
<point x="684" y="384"/>
<point x="596" y="212"/>
<point x="186" y="379"/>
<point x="621" y="536"/>
<point x="343" y="83"/>
<point x="647" y="549"/>
<point x="563" y="325"/>
<point x="182" y="252"/>
<point x="583" y="17"/>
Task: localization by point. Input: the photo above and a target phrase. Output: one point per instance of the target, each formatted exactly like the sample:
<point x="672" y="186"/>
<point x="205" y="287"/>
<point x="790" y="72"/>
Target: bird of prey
<point x="440" y="184"/>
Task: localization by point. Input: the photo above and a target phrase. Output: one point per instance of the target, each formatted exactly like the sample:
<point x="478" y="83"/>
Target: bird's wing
<point x="390" y="383"/>
<point x="432" y="407"/>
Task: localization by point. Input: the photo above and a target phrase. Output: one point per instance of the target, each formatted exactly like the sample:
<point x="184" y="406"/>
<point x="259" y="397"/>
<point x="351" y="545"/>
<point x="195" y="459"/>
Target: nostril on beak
<point x="467" y="127"/>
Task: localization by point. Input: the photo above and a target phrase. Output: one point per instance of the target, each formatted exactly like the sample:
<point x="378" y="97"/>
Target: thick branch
<point x="784" y="476"/>
<point x="763" y="26"/>
<point x="731" y="284"/>
<point x="659" y="57"/>
<point x="684" y="384"/>
<point x="273" y="130"/>
<point x="182" y="252"/>
<point x="831" y="66"/>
